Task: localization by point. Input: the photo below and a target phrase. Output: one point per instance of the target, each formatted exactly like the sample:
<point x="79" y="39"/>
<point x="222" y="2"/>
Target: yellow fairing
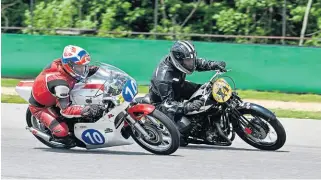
<point x="221" y="90"/>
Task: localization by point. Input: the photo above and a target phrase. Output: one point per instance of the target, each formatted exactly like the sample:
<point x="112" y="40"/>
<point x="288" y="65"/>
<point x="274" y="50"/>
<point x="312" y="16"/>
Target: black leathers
<point x="169" y="88"/>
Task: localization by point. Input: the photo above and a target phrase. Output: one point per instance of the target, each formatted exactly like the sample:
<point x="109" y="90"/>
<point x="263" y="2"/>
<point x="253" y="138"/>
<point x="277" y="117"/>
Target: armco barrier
<point x="259" y="67"/>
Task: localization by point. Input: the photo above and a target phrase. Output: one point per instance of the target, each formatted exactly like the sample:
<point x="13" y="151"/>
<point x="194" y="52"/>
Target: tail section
<point x="24" y="88"/>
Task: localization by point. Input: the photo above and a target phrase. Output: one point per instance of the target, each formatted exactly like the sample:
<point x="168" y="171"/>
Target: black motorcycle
<point x="224" y="114"/>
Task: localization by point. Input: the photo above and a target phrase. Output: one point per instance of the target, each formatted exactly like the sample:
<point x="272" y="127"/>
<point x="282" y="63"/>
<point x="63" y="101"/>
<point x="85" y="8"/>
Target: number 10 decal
<point x="93" y="137"/>
<point x="129" y="90"/>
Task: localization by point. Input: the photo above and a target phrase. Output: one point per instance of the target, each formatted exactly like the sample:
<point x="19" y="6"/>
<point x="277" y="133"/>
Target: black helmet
<point x="183" y="56"/>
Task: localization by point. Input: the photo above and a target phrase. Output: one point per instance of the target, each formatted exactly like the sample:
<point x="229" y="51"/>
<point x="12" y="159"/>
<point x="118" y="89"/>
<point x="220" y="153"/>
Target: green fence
<point x="259" y="67"/>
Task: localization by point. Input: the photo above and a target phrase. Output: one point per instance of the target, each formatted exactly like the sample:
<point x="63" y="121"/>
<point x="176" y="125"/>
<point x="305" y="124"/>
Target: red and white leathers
<point x="51" y="88"/>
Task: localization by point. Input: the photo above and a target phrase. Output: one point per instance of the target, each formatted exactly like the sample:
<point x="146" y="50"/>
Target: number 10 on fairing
<point x="96" y="140"/>
<point x="129" y="90"/>
<point x="133" y="90"/>
<point x="92" y="136"/>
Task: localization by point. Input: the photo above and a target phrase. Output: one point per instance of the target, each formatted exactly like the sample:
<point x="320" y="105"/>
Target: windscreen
<point x="112" y="78"/>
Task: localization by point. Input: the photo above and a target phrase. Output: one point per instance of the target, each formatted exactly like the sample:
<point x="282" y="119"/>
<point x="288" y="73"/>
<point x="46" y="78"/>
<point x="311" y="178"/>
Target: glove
<point x="217" y="65"/>
<point x="92" y="111"/>
<point x="221" y="64"/>
<point x="193" y="106"/>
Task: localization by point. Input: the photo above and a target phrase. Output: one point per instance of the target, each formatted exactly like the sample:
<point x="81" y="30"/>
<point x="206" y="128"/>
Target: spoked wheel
<point x="164" y="137"/>
<point x="261" y="132"/>
<point x="35" y="123"/>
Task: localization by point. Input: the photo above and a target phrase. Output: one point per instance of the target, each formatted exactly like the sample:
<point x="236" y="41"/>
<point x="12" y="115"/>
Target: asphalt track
<point x="24" y="157"/>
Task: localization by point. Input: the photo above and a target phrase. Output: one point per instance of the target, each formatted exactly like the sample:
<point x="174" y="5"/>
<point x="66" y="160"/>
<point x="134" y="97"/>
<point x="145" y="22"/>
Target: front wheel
<point x="260" y="130"/>
<point x="164" y="136"/>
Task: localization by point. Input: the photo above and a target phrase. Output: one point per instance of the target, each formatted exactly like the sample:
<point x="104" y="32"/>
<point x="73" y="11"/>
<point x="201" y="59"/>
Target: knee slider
<point x="60" y="130"/>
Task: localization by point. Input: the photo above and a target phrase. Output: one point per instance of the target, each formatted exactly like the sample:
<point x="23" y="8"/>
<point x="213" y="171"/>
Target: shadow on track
<point x="226" y="148"/>
<point x="101" y="151"/>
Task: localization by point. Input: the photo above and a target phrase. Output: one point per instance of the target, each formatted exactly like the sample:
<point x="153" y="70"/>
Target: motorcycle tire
<point x="169" y="124"/>
<point x="274" y="122"/>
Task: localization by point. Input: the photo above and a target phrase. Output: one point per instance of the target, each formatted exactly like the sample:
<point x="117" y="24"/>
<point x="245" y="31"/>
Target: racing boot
<point x="184" y="126"/>
<point x="68" y="141"/>
<point x="183" y="140"/>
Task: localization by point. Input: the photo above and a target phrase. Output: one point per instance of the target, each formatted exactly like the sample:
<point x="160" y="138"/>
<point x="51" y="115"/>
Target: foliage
<point x="12" y="12"/>
<point x="227" y="17"/>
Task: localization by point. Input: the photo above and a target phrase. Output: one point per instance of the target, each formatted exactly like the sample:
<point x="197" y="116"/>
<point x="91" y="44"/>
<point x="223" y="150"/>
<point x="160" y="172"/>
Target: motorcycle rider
<point x="51" y="90"/>
<point x="169" y="87"/>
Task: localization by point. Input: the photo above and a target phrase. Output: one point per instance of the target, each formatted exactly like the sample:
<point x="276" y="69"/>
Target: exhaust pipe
<point x="40" y="134"/>
<point x="220" y="132"/>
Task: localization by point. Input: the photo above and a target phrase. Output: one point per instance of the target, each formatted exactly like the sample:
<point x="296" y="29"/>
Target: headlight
<point x="221" y="91"/>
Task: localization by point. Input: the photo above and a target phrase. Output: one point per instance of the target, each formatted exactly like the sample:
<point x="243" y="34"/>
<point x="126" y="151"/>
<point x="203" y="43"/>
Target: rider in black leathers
<point x="168" y="85"/>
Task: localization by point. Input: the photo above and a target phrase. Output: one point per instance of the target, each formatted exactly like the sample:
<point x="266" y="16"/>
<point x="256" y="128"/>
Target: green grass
<point x="297" y="114"/>
<point x="245" y="94"/>
<point x="9" y="82"/>
<point x="143" y="89"/>
<point x="249" y="94"/>
<point x="12" y="99"/>
<point x="279" y="112"/>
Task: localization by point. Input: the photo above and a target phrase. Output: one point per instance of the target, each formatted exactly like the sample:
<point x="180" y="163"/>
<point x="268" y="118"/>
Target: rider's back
<point x="166" y="77"/>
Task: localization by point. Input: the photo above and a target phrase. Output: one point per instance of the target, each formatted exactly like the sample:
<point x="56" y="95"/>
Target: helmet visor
<point x="81" y="70"/>
<point x="188" y="63"/>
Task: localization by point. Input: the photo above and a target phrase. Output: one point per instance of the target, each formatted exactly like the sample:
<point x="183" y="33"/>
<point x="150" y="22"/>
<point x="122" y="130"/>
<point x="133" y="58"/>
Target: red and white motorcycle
<point x="123" y="117"/>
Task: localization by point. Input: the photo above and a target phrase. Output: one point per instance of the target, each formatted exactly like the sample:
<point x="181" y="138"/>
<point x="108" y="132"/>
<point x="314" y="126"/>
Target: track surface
<point x="24" y="157"/>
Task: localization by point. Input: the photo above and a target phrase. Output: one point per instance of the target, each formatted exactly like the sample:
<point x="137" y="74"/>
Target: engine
<point x="205" y="128"/>
<point x="202" y="129"/>
<point x="211" y="134"/>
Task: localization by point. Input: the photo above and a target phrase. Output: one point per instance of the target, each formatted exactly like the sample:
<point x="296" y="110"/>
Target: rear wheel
<point x="261" y="130"/>
<point x="35" y="123"/>
<point x="164" y="136"/>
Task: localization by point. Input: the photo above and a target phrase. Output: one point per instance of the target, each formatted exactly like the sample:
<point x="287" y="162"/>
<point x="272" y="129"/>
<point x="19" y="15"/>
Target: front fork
<point x="134" y="123"/>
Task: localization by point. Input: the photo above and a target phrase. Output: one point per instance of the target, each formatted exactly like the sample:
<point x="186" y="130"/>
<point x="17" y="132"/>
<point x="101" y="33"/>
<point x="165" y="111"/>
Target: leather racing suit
<point x="51" y="89"/>
<point x="169" y="87"/>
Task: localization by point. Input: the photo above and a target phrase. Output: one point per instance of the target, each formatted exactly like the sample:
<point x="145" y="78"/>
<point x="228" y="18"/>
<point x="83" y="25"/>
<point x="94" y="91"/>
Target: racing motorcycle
<point x="114" y="90"/>
<point x="225" y="114"/>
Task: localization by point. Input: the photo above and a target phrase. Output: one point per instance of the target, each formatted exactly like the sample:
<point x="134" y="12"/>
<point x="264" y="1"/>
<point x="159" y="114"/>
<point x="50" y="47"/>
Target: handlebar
<point x="220" y="71"/>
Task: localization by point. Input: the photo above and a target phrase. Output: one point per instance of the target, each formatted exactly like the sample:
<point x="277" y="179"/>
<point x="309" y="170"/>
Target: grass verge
<point x="12" y="99"/>
<point x="245" y="94"/>
<point x="6" y="82"/>
<point x="263" y="95"/>
<point x="279" y="112"/>
<point x="297" y="114"/>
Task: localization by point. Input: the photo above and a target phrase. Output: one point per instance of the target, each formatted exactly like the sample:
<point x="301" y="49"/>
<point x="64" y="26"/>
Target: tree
<point x="224" y="17"/>
<point x="305" y="21"/>
<point x="12" y="12"/>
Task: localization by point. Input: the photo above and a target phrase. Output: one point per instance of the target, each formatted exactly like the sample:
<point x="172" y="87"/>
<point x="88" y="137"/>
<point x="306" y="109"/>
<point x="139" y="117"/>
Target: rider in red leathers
<point x="51" y="88"/>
